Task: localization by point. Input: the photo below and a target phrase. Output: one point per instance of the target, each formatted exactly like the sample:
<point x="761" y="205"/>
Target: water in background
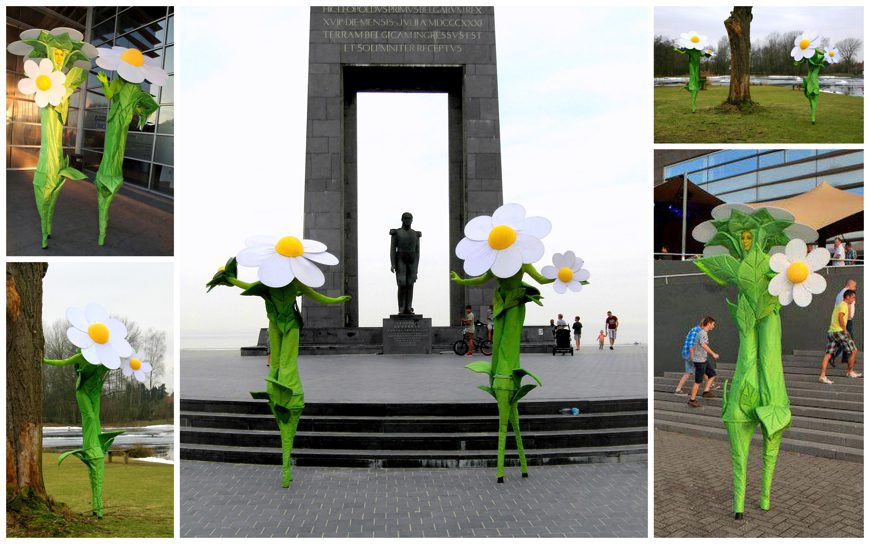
<point x="851" y="86"/>
<point x="160" y="438"/>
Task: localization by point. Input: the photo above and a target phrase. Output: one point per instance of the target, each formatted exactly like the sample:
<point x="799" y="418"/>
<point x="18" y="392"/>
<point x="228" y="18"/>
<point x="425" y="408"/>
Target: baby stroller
<point x="563" y="342"/>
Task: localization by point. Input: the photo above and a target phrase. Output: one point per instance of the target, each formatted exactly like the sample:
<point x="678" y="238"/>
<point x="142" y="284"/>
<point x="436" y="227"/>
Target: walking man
<point x="838" y="337"/>
<point x="611" y="324"/>
<point x="850" y="284"/>
<point x="686" y="354"/>
<point x="699" y="351"/>
<point x="578" y="330"/>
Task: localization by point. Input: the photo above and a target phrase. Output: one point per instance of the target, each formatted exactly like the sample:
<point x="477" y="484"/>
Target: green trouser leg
<point x="95" y="475"/>
<point x="103" y="202"/>
<point x="515" y="424"/>
<point x="814" y="102"/>
<point x="288" y="420"/>
<point x="503" y="397"/>
<point x="694" y="99"/>
<point x="771" y="451"/>
<point x="740" y="434"/>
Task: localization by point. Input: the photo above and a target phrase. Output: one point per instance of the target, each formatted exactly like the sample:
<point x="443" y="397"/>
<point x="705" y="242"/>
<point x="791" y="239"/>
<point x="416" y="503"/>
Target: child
<point x="601" y="337"/>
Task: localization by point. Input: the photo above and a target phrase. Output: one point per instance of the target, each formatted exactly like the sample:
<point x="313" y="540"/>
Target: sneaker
<point x="694" y="403"/>
<point x="611" y="347"/>
<point x="853" y="374"/>
<point x="680" y="392"/>
<point x="707" y="394"/>
<point x="824" y="379"/>
<point x="469" y="354"/>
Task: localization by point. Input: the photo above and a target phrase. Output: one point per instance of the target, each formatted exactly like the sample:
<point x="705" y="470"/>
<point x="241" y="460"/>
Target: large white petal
<point x="19" y="48"/>
<point x="76" y="318"/>
<point x="509" y="261"/>
<point x="108" y="356"/>
<point x="479" y="228"/>
<point x="796" y="53"/>
<point x="575" y="285"/>
<point x="322" y="258"/>
<point x="275" y="271"/>
<point x="581" y="275"/>
<point x="818" y="258"/>
<point x="778" y="284"/>
<point x="785" y="297"/>
<point x="31" y="69"/>
<point x="815" y="283"/>
<point x="74" y="34"/>
<point x="45" y="67"/>
<point x="779" y="262"/>
<point x="723" y="211"/>
<point x="466" y="247"/>
<point x="313" y="246"/>
<point x="536" y="226"/>
<point x="41" y="99"/>
<point x="261" y="240"/>
<point x="133" y="74"/>
<point x="146" y="367"/>
<point x="509" y="214"/>
<point x="96" y="313"/>
<point x="57" y="80"/>
<point x="559" y="286"/>
<point x="55" y="95"/>
<point x="126" y="370"/>
<point x="307" y="272"/>
<point x="780" y="214"/>
<point x="256" y="255"/>
<point x="531" y="249"/>
<point x="704" y="232"/>
<point x="796" y="250"/>
<point x="480" y="260"/>
<point x="122" y="347"/>
<point x="802" y="297"/>
<point x="90" y="355"/>
<point x="117" y="329"/>
<point x="154" y="74"/>
<point x="26" y="86"/>
<point x="78" y="338"/>
<point x="107" y="61"/>
<point x="712" y="251"/>
<point x="139" y="375"/>
<point x="31" y="33"/>
<point x="549" y="272"/>
<point x="89" y="50"/>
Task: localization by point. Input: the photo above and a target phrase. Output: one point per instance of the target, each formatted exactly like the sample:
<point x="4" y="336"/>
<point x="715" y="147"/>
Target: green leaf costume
<point x="694" y="83"/>
<point x="52" y="166"/>
<point x="127" y="99"/>
<point x="811" y="82"/>
<point x="95" y="444"/>
<point x="505" y="374"/>
<point x="283" y="384"/>
<point x="757" y="392"/>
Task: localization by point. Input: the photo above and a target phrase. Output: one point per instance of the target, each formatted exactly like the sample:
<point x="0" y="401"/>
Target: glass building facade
<point x="758" y="175"/>
<point x="149" y="155"/>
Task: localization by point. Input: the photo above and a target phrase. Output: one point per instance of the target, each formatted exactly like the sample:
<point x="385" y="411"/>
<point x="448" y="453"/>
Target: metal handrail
<point x="665" y="277"/>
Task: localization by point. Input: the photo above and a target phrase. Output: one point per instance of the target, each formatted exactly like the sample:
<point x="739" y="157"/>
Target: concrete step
<point x="696" y="417"/>
<point x="801" y="446"/>
<point x="413" y="459"/>
<point x="795" y="400"/>
<point x="811" y="370"/>
<point x="797" y="390"/>
<point x="841" y="383"/>
<point x="821" y="412"/>
<point x="803" y="422"/>
<point x="818" y="354"/>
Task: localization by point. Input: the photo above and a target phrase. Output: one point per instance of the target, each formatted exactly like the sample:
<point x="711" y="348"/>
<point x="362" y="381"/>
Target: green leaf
<point x="71" y="173"/>
<point x="483" y="367"/>
<point x="78" y="453"/>
<point x="749" y="398"/>
<point x="260" y="395"/>
<point x="145" y="105"/>
<point x="488" y="389"/>
<point x="752" y="276"/>
<point x="721" y="268"/>
<point x="520" y="372"/>
<point x="724" y="397"/>
<point x="522" y="392"/>
<point x="107" y="438"/>
<point x="221" y="276"/>
<point x="774" y="418"/>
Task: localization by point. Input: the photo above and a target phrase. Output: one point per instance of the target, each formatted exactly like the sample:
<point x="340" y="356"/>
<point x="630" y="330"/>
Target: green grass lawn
<point x="137" y="497"/>
<point x="782" y="116"/>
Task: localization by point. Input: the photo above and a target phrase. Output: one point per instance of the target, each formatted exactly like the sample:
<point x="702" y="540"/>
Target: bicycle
<point x="460" y="347"/>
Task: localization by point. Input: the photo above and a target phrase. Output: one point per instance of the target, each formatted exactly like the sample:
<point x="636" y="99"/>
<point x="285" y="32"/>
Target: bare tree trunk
<point x="737" y="25"/>
<point x="25" y="346"/>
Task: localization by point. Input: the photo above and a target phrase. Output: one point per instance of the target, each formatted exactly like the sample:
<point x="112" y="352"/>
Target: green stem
<point x="47" y="180"/>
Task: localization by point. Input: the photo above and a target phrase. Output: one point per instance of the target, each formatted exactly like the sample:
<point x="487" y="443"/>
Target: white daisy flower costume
<point x="693" y="40"/>
<point x="832" y="55"/>
<point x="502" y="242"/>
<point x="805" y="46"/>
<point x="102" y="339"/>
<point x="43" y="81"/>
<point x="568" y="272"/>
<point x="280" y="260"/>
<point x="136" y="367"/>
<point x="131" y="65"/>
<point x="709" y="51"/>
<point x="796" y="277"/>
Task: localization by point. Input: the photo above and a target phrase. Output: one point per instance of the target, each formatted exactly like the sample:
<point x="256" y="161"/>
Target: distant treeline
<point x="124" y="399"/>
<point x="771" y="56"/>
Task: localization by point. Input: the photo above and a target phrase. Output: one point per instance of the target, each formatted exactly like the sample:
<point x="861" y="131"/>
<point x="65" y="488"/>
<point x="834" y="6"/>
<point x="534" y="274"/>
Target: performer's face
<point x="746" y="240"/>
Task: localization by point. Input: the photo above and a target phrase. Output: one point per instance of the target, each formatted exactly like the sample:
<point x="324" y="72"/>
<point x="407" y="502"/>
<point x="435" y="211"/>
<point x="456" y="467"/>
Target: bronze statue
<point x="404" y="258"/>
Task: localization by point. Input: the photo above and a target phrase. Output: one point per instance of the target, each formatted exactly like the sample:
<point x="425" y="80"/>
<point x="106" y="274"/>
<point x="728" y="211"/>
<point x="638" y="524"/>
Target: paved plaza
<point x="812" y="496"/>
<point x="602" y="500"/>
<point x="589" y="374"/>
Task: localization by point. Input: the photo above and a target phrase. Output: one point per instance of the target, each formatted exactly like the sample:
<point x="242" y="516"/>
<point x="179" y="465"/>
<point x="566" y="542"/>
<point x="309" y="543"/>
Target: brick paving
<point x="812" y="496"/>
<point x="590" y="374"/>
<point x="234" y="500"/>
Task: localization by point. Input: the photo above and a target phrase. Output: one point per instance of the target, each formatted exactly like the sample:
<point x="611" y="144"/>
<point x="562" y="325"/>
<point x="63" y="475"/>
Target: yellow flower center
<point x="797" y="272"/>
<point x="804" y="43"/>
<point x="830" y="53"/>
<point x="99" y="333"/>
<point x="43" y="82"/>
<point x="133" y="57"/>
<point x="694" y="39"/>
<point x="135" y="363"/>
<point x="566" y="274"/>
<point x="289" y="246"/>
<point x="502" y="237"/>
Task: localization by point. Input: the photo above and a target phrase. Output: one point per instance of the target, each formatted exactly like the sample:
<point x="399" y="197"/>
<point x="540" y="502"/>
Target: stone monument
<point x="406" y="332"/>
<point x="356" y="49"/>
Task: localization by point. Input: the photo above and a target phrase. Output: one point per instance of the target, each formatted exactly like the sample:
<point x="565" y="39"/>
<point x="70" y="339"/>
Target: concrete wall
<point x="680" y="302"/>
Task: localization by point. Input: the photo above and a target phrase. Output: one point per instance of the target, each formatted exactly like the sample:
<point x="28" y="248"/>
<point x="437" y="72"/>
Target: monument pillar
<point x="352" y="49"/>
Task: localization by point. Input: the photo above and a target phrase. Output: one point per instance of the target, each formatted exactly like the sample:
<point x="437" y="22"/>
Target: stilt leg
<point x="288" y="420"/>
<point x="770" y="453"/>
<point x="515" y="424"/>
<point x="740" y="435"/>
<point x="504" y="409"/>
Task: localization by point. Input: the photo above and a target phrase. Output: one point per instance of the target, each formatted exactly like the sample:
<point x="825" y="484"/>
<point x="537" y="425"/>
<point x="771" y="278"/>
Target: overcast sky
<point x="834" y="22"/>
<point x="140" y="291"/>
<point x="575" y="149"/>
